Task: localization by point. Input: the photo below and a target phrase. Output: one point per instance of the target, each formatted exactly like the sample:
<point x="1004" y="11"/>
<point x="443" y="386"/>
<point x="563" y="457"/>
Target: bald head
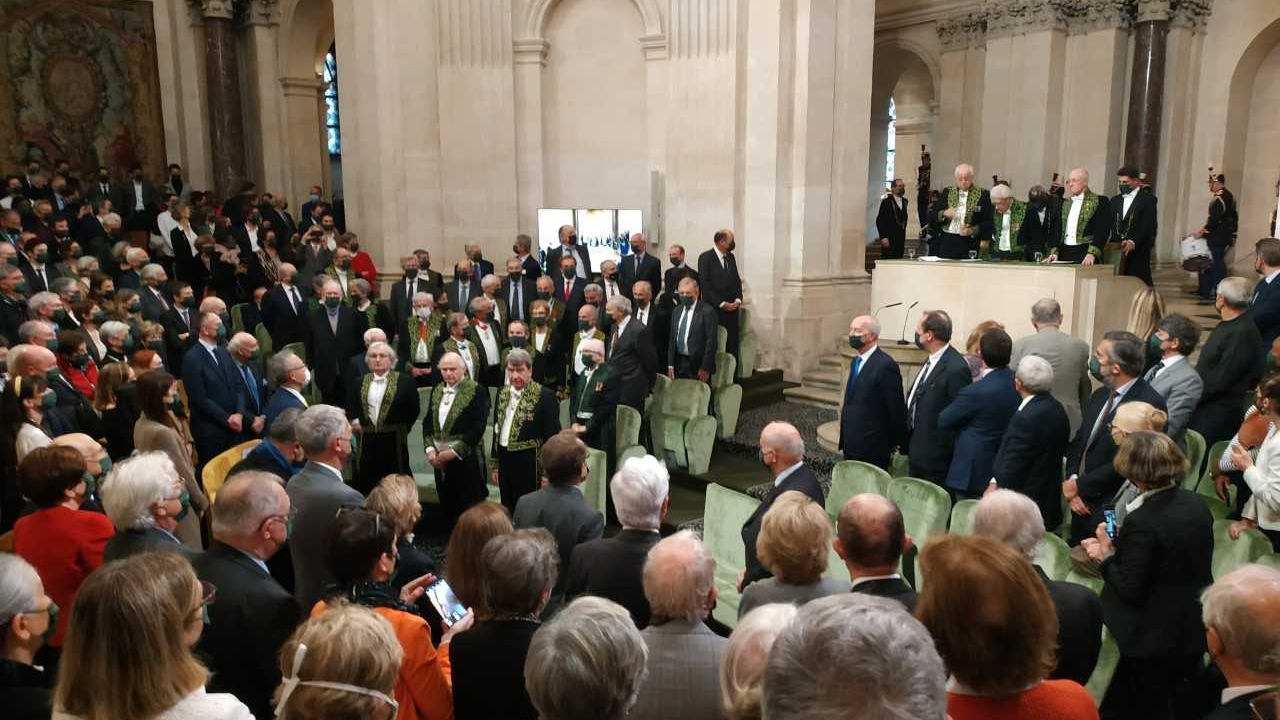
<point x="1239" y="612"/>
<point x="287" y="273"/>
<point x="782" y="440"/>
<point x="31" y="360"/>
<point x="1077" y="181"/>
<point x="870" y="535"/>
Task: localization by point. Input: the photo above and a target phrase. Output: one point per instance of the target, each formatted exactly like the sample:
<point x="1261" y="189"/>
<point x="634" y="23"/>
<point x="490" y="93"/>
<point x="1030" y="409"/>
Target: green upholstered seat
<point x="1213" y="456"/>
<point x="1195" y="449"/>
<point x="1271" y="560"/>
<point x="1054" y="556"/>
<point x="726" y="396"/>
<point x="596" y="486"/>
<point x="565" y="420"/>
<point x="653" y="403"/>
<point x="724" y="513"/>
<point x="854" y="477"/>
<point x="423" y="474"/>
<point x="1093" y="583"/>
<point x="1219" y="509"/>
<point x="626" y="432"/>
<point x="926" y="508"/>
<point x="722" y="339"/>
<point x="836" y="569"/>
<point x="297" y="348"/>
<point x="264" y="339"/>
<point x="682" y="431"/>
<point x="1230" y="554"/>
<point x="1105" y="669"/>
<point x="899" y="465"/>
<point x="962" y="517"/>
<point x="237" y="318"/>
<point x="628" y="453"/>
<point x="748" y="343"/>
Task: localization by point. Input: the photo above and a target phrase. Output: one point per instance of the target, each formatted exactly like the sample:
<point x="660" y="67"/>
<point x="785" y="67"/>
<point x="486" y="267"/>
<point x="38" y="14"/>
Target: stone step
<point x="813" y="397"/>
<point x="824" y="376"/>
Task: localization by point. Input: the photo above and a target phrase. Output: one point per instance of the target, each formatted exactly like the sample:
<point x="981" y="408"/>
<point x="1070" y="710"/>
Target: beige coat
<point x="150" y="435"/>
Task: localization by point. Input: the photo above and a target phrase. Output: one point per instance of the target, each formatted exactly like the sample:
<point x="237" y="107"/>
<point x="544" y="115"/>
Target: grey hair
<point x="134" y="252"/>
<point x="871" y="324"/>
<point x="454" y="320"/>
<point x="639" y="488"/>
<point x="57" y="285"/>
<point x="134" y="486"/>
<point x="678" y="577"/>
<point x="87" y="261"/>
<point x="284" y="427"/>
<point x="30" y="328"/>
<point x="1012" y="518"/>
<point x="319" y="426"/>
<point x="278" y="366"/>
<point x="18" y="583"/>
<point x="619" y="302"/>
<point x="1001" y="192"/>
<point x="853" y="656"/>
<point x="150" y="271"/>
<point x="490" y="280"/>
<point x="592" y="287"/>
<point x="1240" y="607"/>
<point x="363" y="286"/>
<point x="423" y="296"/>
<point x="742" y="666"/>
<point x="786" y="437"/>
<point x="1036" y="374"/>
<point x="240" y="511"/>
<point x="113" y="329"/>
<point x="43" y="299"/>
<point x="591" y="345"/>
<point x="519" y="358"/>
<point x="371" y="336"/>
<point x="381" y="345"/>
<point x="1046" y="311"/>
<point x="589" y="663"/>
<point x="518" y="568"/>
<point x="477" y="303"/>
<point x="238" y="340"/>
<point x="1181" y="328"/>
<point x="1235" y="291"/>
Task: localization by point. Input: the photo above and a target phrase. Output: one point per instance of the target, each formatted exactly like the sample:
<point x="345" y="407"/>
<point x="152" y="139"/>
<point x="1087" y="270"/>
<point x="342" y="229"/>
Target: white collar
<point x="295" y="394"/>
<point x="380" y="378"/>
<point x="719" y="254"/>
<point x="211" y="347"/>
<point x="872" y="578"/>
<point x="934" y="357"/>
<point x="450" y="388"/>
<point x="1025" y="401"/>
<point x="336" y="472"/>
<point x="1172" y="360"/>
<point x="1137" y="502"/>
<point x="1077" y="198"/>
<point x="1272" y="276"/>
<point x="866" y="353"/>
<point x="786" y="473"/>
<point x="1120" y="391"/>
<point x="1231" y="693"/>
<point x="623" y="324"/>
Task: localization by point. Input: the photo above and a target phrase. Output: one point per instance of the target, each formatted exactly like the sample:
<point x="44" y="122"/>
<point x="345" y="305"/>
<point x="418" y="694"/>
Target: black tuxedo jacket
<point x="931" y="447"/>
<point x="647" y="268"/>
<point x="702" y="340"/>
<point x="873" y="420"/>
<point x="402" y="298"/>
<point x="1040" y="234"/>
<point x="720" y="282"/>
<point x="635" y="360"/>
<point x="1239" y="708"/>
<point x="613" y="568"/>
<point x="1029" y="460"/>
<point x="283" y="323"/>
<point x="532" y="270"/>
<point x="891" y="221"/>
<point x="152" y="307"/>
<point x="451" y="289"/>
<point x="1099" y="481"/>
<point x="528" y="293"/>
<point x="892" y="588"/>
<point x="1079" y="628"/>
<point x="1140" y="225"/>
<point x="1163" y="559"/>
<point x="577" y="298"/>
<point x="328" y="352"/>
<point x="669" y="300"/>
<point x="402" y="411"/>
<point x="802" y="480"/>
<point x="35" y="283"/>
<point x="1265" y="310"/>
<point x="174" y="329"/>
<point x="584" y="262"/>
<point x="256" y="615"/>
<point x="75" y="407"/>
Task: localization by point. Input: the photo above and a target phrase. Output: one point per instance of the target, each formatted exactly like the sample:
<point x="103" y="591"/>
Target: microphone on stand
<point x="906" y="317"/>
<point x="877" y="312"/>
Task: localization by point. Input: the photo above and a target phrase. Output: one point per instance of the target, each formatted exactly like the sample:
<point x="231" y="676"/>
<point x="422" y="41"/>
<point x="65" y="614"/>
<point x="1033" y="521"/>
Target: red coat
<point x="362" y="264"/>
<point x="85" y="380"/>
<point x="64" y="546"/>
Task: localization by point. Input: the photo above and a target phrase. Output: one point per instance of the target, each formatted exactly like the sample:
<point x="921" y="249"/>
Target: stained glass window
<point x="332" y="120"/>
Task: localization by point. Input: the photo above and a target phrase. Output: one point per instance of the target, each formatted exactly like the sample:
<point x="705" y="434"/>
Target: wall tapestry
<point x="80" y="82"/>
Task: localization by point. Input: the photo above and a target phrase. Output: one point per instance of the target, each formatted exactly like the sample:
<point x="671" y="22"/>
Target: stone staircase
<point x="821" y="386"/>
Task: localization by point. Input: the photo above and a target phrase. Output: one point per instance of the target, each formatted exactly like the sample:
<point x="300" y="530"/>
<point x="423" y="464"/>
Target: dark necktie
<point x="915" y="394"/>
<point x="297" y="300"/>
<point x="253" y="388"/>
<point x="1097" y="429"/>
<point x="682" y="340"/>
<point x="1155" y="370"/>
<point x="853" y="377"/>
<point x="517" y="307"/>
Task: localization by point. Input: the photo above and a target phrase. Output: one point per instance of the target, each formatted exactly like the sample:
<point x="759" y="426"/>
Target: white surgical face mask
<point x="423" y="312"/>
<point x="306" y="377"/>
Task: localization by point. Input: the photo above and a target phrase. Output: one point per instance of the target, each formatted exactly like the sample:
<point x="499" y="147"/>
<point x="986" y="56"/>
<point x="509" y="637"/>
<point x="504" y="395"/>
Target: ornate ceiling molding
<point x="215" y="9"/>
<point x="999" y="18"/>
<point x="962" y="31"/>
<point x="1016" y="17"/>
<point x="1190" y="14"/>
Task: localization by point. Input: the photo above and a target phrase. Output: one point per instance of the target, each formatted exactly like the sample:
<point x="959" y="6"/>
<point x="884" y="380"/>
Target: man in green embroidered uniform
<point x="962" y="217"/>
<point x="527" y="414"/>
<point x="1086" y="222"/>
<point x="1008" y="216"/>
<point x="452" y="432"/>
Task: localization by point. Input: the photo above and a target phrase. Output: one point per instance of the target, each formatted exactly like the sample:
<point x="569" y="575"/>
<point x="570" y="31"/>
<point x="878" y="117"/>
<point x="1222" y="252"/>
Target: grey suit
<point x="684" y="673"/>
<point x="772" y="590"/>
<point x="565" y="512"/>
<point x="1069" y="357"/>
<point x="1181" y="387"/>
<point x="315" y="494"/>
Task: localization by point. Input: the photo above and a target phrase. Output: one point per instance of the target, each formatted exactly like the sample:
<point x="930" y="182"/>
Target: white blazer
<point x="1264" y="480"/>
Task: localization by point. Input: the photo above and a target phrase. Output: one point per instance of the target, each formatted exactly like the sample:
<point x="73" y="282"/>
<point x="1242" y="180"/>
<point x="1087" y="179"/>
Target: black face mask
<point x="676" y="262"/>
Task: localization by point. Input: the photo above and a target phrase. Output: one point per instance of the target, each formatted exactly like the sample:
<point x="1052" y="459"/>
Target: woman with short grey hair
<point x="145" y="498"/>
<point x="28" y="615"/>
<point x="519" y="570"/>
<point x="564" y="667"/>
<point x="115" y="335"/>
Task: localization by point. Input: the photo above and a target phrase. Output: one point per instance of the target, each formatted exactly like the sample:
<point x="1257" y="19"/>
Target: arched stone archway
<point x="306" y="34"/>
<point x="907" y="73"/>
<point x="1251" y="153"/>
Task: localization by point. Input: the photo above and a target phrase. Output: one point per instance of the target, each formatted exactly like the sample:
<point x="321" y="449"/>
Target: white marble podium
<point x="1094" y="299"/>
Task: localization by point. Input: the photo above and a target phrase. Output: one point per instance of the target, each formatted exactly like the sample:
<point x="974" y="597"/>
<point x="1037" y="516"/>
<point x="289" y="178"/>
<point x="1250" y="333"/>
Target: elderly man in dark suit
<point x="782" y="452"/>
<point x="213" y="402"/>
<point x="250" y="385"/>
<point x="290" y="375"/>
<point x="464" y="287"/>
<point x="691" y="346"/>
<point x="639" y="265"/>
<point x="251" y="517"/>
<point x="944" y="374"/>
<point x="613" y="567"/>
<point x="333" y="336"/>
<point x="518" y="291"/>
<point x="593" y="401"/>
<point x="384" y="404"/>
<point x="631" y="353"/>
<point x="316" y="493"/>
<point x="1029" y="460"/>
<point x="1091" y="478"/>
<point x="569" y="248"/>
<point x="979" y="415"/>
<point x="722" y="286"/>
<point x="1239" y="612"/>
<point x="1014" y="519"/>
<point x="284" y="309"/>
<point x="1230" y="363"/>
<point x="560" y="506"/>
<point x="529" y="267"/>
<point x="871" y="538"/>
<point x="873" y="416"/>
<point x="403" y="290"/>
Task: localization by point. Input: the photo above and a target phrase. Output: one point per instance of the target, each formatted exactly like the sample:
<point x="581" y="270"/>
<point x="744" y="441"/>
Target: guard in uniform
<point x="1220" y="232"/>
<point x="891" y="221"/>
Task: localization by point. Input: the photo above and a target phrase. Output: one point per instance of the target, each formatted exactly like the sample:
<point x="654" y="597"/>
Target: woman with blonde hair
<point x="742" y="667"/>
<point x="127" y="653"/>
<point x="476" y="527"/>
<point x="395" y="498"/>
<point x="973" y="347"/>
<point x="340" y="665"/>
<point x="795" y="536"/>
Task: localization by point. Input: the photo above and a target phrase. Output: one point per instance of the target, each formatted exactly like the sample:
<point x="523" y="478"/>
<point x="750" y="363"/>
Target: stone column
<point x="1146" y="87"/>
<point x="530" y="57"/>
<point x="963" y="40"/>
<point x="305" y="146"/>
<point x="266" y="143"/>
<point x="222" y="81"/>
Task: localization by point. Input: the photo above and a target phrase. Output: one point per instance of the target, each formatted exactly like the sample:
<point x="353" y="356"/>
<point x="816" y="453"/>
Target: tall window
<point x="891" y="143"/>
<point x="332" y="119"/>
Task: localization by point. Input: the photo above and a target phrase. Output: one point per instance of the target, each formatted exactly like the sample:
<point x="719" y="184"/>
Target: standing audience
<point x="146" y="500"/>
<point x="871" y="538"/>
<point x="29" y="616"/>
<point x="1029" y="459"/>
<point x="464" y="568"/>
<point x="794" y="542"/>
<point x="161" y="430"/>
<point x="1239" y="612"/>
<point x="742" y="668"/>
<point x="339" y="665"/>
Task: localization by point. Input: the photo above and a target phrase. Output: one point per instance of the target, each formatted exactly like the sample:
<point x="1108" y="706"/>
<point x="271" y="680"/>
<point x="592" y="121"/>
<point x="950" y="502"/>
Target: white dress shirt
<point x="504" y="433"/>
<point x="421" y="352"/>
<point x="447" y="396"/>
<point x="342" y="280"/>
<point x="1127" y="200"/>
<point x="642" y="314"/>
<point x="489" y="341"/>
<point x="1006" y="232"/>
<point x="139" y="202"/>
<point x="930" y="365"/>
<point x="540" y="339"/>
<point x="212" y="348"/>
<point x="1073" y="220"/>
<point x="611" y="289"/>
<point x="962" y="207"/>
<point x="166" y="223"/>
<point x="684" y="341"/>
<point x="1166" y="363"/>
<point x="786" y="473"/>
<point x="466" y="359"/>
<point x="373" y="404"/>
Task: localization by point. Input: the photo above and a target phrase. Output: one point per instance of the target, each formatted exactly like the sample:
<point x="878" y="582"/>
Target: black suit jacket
<point x="284" y="325"/>
<point x="35" y="283"/>
<point x="328" y="352"/>
<point x="891" y="223"/>
<point x="873" y="420"/>
<point x="1029" y="460"/>
<point x="532" y="270"/>
<point x="563" y="511"/>
<point x="892" y="588"/>
<point x="1163" y="559"/>
<point x="75" y="407"/>
<point x="402" y="299"/>
<point x="255" y="615"/>
<point x="635" y="360"/>
<point x="802" y="480"/>
<point x="488" y="670"/>
<point x="1079" y="628"/>
<point x="613" y="568"/>
<point x="174" y="329"/>
<point x="451" y="289"/>
<point x="1140" y="225"/>
<point x="702" y="342"/>
<point x="1264" y="311"/>
<point x="152" y="307"/>
<point x="649" y="270"/>
<point x="1239" y="708"/>
<point x="671" y="285"/>
<point x="577" y="298"/>
<point x="720" y="282"/>
<point x="584" y="262"/>
<point x="1099" y="481"/>
<point x="931" y="447"/>
<point x="528" y="293"/>
<point x="1040" y="234"/>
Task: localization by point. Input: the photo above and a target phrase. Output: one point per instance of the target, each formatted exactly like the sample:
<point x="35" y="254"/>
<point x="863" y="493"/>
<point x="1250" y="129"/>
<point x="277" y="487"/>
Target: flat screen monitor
<point x="603" y="233"/>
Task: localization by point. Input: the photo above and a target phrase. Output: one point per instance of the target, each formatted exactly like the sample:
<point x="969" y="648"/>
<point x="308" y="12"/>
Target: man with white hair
<point x="1242" y="635"/>
<point x="416" y="337"/>
<point x="452" y="432"/>
<point x="526" y="416"/>
<point x="152" y="293"/>
<point x="69" y="291"/>
<point x="594" y="399"/>
<point x="854" y="657"/>
<point x="1008" y="216"/>
<point x="1067" y="355"/>
<point x="962" y="216"/>
<point x="873" y="417"/>
<point x="251" y="386"/>
<point x="357" y="367"/>
<point x="284" y="309"/>
<point x="383" y="405"/>
<point x="489" y="340"/>
<point x="251" y="519"/>
<point x="499" y="312"/>
<point x="134" y="258"/>
<point x="684" y="655"/>
<point x="782" y="452"/>
<point x="1030" y="456"/>
<point x="145" y="499"/>
<point x="1228" y="364"/>
<point x="1086" y="223"/>
<point x="639" y="266"/>
<point x="609" y="280"/>
<point x="45" y="306"/>
<point x="1013" y="519"/>
<point x="613" y="567"/>
<point x="631" y="353"/>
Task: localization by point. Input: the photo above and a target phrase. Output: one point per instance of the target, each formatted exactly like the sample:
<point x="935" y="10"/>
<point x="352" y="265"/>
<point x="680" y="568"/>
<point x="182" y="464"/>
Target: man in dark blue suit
<point x="944" y="373"/>
<point x="1030" y="457"/>
<point x="289" y="374"/>
<point x="210" y="382"/>
<point x="1092" y="480"/>
<point x="782" y="451"/>
<point x="251" y="387"/>
<point x="1264" y="310"/>
<point x="873" y="417"/>
<point x="980" y="414"/>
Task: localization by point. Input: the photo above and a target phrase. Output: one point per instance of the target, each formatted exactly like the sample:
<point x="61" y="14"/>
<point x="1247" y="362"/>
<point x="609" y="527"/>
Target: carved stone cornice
<point x="216" y="9"/>
<point x="1190" y="14"/>
<point x="963" y="31"/>
<point x="262" y="12"/>
<point x="1153" y="11"/>
<point x="1016" y="17"/>
<point x="1087" y="15"/>
<point x="529" y="51"/>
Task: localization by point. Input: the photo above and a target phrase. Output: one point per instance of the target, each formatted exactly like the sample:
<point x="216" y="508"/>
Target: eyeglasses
<point x="208" y="593"/>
